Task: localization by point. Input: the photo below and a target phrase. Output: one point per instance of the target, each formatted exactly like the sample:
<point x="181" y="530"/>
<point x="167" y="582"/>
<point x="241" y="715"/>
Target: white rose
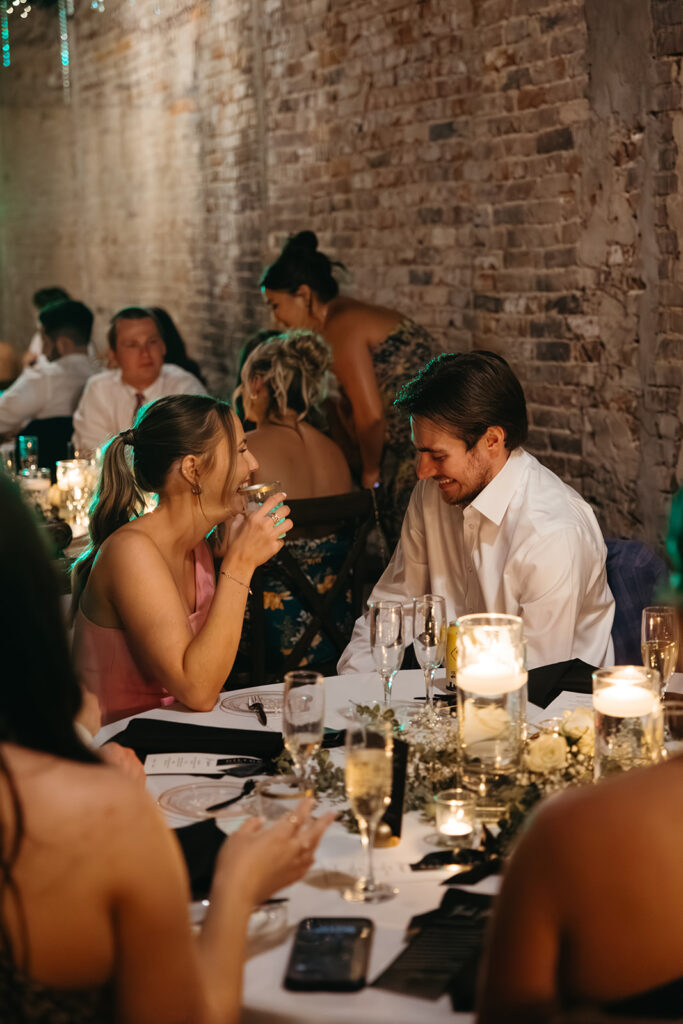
<point x="586" y="743"/>
<point x="546" y="753"/>
<point x="483" y="723"/>
<point x="578" y="722"/>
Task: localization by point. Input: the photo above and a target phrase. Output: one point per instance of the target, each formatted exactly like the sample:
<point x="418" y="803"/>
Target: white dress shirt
<point x="528" y="545"/>
<point x="45" y="390"/>
<point x="108" y="405"/>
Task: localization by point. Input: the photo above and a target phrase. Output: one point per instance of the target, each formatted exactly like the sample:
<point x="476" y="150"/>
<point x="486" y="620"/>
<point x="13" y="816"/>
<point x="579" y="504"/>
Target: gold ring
<point x="292" y="819"/>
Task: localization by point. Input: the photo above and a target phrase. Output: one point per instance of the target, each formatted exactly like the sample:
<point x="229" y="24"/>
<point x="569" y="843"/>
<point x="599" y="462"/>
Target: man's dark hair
<point x="465" y="394"/>
<point x="46" y="296"/>
<point x="67" y="318"/>
<point x="130" y="313"/>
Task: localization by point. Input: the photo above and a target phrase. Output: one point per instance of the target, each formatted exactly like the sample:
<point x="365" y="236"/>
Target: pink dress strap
<point x="106" y="665"/>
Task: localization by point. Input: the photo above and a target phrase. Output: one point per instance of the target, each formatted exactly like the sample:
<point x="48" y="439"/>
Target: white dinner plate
<point x="238" y="703"/>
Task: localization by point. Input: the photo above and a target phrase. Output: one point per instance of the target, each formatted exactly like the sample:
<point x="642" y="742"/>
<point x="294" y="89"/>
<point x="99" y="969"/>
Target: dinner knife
<point x="257" y="707"/>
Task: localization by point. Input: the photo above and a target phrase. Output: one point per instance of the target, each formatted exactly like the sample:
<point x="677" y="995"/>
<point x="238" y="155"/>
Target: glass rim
<point x="601" y="675"/>
<point x="302" y="677"/>
<point x="456" y="795"/>
<point x="429" y="597"/>
<point x="660" y="608"/>
<point x="295" y="782"/>
<point x="492" y="619"/>
<point x="385" y="605"/>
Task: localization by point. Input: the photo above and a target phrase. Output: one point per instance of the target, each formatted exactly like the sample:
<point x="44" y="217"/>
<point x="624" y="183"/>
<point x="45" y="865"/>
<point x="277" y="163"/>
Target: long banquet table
<point x="265" y="999"/>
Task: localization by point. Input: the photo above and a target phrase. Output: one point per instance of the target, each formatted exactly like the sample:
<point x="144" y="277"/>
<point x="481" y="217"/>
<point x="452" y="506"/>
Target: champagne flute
<point x="429" y="636"/>
<point x="369" y="762"/>
<point x="659" y="641"/>
<point x="387" y="641"/>
<point x="303" y="714"/>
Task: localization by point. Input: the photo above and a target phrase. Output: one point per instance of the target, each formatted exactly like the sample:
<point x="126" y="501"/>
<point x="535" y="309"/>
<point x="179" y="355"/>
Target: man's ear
<point x="494" y="439"/>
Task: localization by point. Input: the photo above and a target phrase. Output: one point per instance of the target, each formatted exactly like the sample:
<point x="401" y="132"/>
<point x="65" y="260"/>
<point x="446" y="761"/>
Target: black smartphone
<point x="330" y="954"/>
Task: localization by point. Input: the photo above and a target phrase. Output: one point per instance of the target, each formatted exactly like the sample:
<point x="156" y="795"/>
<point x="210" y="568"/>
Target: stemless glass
<point x="303" y="715"/>
<point x="28" y="451"/>
<point x="369" y="760"/>
<point x="8" y="457"/>
<point x="659" y="641"/>
<point x="429" y="636"/>
<point x="387" y="641"/>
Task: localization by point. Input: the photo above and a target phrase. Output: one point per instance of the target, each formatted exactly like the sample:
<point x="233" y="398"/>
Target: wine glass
<point x="387" y="641"/>
<point x="303" y="714"/>
<point x="429" y="636"/>
<point x="369" y="761"/>
<point x="659" y="641"/>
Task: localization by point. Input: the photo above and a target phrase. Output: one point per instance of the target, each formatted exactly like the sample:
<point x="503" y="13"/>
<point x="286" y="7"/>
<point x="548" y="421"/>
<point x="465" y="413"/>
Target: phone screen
<point x="330" y="953"/>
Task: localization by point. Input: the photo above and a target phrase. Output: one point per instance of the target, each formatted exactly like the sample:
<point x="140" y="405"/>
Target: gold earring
<point x="196" y="489"/>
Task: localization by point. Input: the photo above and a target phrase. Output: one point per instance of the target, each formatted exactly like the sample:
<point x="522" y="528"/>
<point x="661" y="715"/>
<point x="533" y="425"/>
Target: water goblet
<point x="429" y="636"/>
<point x="303" y="715"/>
<point x="659" y="641"/>
<point x="369" y="762"/>
<point x="387" y="641"/>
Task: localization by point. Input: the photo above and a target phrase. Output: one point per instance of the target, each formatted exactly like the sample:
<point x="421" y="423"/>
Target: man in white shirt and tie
<point x="53" y="386"/>
<point x="488" y="527"/>
<point x="112" y="399"/>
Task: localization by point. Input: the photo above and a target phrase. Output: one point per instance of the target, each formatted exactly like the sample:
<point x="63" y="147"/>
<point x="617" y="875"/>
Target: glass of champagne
<point x="659" y="641"/>
<point x="303" y="714"/>
<point x="429" y="636"/>
<point x="387" y="641"/>
<point x="369" y="761"/>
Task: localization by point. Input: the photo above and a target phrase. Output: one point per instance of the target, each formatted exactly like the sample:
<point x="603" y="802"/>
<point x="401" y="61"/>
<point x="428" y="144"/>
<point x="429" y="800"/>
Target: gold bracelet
<point x="229" y="576"/>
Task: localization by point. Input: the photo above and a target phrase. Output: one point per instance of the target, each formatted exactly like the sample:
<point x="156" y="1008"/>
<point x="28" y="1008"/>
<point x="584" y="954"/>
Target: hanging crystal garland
<point x="4" y="33"/>
<point x="64" y="53"/>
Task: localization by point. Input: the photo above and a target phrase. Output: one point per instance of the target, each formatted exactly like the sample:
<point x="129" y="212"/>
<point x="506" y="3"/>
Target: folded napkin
<point x="154" y="736"/>
<point x="547" y="682"/>
<point x="443" y="951"/>
<point x="200" y="844"/>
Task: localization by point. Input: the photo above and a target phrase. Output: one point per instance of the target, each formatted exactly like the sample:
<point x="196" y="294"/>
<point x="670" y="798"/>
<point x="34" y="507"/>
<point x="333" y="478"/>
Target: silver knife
<point x="257" y="707"/>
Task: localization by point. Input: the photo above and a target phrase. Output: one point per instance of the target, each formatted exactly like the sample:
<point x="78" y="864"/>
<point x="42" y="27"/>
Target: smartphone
<point x="330" y="954"/>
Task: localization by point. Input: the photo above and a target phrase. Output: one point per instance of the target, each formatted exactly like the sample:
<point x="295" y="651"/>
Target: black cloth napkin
<point x="547" y="682"/>
<point x="153" y="736"/>
<point x="200" y="844"/>
<point x="443" y="952"/>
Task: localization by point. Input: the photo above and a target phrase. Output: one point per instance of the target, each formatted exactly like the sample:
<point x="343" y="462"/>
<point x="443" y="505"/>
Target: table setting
<point x="475" y="762"/>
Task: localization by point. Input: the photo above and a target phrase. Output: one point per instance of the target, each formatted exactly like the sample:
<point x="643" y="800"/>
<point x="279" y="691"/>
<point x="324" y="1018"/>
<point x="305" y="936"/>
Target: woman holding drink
<point x="151" y="623"/>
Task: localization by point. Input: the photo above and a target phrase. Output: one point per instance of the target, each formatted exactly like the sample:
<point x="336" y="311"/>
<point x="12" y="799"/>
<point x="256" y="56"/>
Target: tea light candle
<point x="455" y="811"/>
<point x="624" y="700"/>
<point x="488" y="676"/>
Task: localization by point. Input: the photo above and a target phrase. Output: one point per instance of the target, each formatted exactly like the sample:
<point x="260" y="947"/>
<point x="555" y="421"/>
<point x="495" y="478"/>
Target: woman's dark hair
<point x="176" y="351"/>
<point x="165" y="431"/>
<point x="301" y="262"/>
<point x="39" y="693"/>
<point x="465" y="394"/>
<point x="67" y="317"/>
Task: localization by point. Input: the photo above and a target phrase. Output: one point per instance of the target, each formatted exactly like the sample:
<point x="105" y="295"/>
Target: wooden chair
<point x="316" y="518"/>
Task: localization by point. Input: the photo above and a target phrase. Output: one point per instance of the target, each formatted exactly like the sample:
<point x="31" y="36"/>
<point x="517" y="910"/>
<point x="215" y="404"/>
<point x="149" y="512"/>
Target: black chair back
<point x="316" y="517"/>
<point x="54" y="435"/>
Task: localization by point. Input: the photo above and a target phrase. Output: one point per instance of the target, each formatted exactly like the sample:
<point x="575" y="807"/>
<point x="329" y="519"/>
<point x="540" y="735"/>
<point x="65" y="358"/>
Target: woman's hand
<point x="256" y="537"/>
<point x="260" y="861"/>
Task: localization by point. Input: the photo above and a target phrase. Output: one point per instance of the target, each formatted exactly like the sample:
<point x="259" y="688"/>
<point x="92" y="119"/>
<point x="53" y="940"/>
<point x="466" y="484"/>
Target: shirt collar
<point x="494" y="499"/>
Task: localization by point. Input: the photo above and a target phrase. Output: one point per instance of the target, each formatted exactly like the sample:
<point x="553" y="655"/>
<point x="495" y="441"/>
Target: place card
<point x="193" y="764"/>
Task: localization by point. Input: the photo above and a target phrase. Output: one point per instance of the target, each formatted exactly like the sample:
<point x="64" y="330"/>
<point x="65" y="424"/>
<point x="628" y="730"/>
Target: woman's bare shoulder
<point x="352" y="320"/>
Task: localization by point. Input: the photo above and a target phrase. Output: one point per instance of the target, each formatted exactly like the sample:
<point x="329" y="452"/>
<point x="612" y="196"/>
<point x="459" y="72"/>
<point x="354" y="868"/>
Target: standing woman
<point x="375" y="350"/>
<point x="151" y="623"/>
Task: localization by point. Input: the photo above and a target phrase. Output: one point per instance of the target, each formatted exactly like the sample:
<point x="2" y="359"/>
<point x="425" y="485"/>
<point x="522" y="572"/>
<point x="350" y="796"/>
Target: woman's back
<point x="307" y="464"/>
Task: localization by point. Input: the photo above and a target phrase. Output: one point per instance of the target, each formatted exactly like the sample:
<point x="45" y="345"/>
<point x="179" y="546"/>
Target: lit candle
<point x="455" y="812"/>
<point x="455" y="826"/>
<point x="624" y="700"/>
<point x="489" y="676"/>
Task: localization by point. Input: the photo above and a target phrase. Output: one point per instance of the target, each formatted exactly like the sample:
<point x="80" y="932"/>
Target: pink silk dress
<point x="107" y="667"/>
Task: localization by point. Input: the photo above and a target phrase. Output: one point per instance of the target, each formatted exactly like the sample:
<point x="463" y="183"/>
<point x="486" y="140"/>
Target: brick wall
<point x="506" y="171"/>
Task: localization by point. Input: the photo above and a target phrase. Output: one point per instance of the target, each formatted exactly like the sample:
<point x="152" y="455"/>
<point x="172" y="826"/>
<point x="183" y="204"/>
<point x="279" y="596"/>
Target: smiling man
<point x="488" y="527"/>
<point x="112" y="399"/>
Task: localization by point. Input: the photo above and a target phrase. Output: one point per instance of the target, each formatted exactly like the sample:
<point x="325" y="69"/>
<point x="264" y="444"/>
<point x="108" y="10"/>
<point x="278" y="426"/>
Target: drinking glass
<point x="28" y="451"/>
<point x="672" y="741"/>
<point x="628" y="718"/>
<point x="387" y="641"/>
<point x="35" y="484"/>
<point x="8" y="457"/>
<point x="429" y="636"/>
<point x="303" y="715"/>
<point x="279" y="795"/>
<point x="369" y="760"/>
<point x="659" y="641"/>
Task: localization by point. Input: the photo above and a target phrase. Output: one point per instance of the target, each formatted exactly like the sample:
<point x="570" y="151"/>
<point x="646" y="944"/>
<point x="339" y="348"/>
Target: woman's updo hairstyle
<point x="301" y="262"/>
<point x="165" y="431"/>
<point x="294" y="366"/>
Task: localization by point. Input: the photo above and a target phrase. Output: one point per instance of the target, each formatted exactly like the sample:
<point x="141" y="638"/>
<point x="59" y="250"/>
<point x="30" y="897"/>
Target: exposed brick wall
<point x="506" y="171"/>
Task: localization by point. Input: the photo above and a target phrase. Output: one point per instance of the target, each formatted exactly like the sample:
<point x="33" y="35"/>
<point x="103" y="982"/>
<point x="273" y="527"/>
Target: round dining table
<point x="338" y="860"/>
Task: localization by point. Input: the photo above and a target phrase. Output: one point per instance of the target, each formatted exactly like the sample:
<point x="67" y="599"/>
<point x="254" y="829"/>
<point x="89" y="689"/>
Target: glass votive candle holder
<point x="456" y="817"/>
<point x="36" y="484"/>
<point x="628" y="718"/>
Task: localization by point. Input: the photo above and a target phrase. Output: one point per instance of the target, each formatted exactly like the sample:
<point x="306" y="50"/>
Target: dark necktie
<point x="139" y="402"/>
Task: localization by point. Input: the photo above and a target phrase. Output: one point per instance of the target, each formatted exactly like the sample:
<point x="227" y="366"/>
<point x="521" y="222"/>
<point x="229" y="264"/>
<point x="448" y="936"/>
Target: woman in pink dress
<point x="150" y="623"/>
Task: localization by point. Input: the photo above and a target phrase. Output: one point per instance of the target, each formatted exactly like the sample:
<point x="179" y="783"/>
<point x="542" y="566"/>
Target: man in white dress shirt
<point x="112" y="399"/>
<point x="488" y="527"/>
<point x="53" y="386"/>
